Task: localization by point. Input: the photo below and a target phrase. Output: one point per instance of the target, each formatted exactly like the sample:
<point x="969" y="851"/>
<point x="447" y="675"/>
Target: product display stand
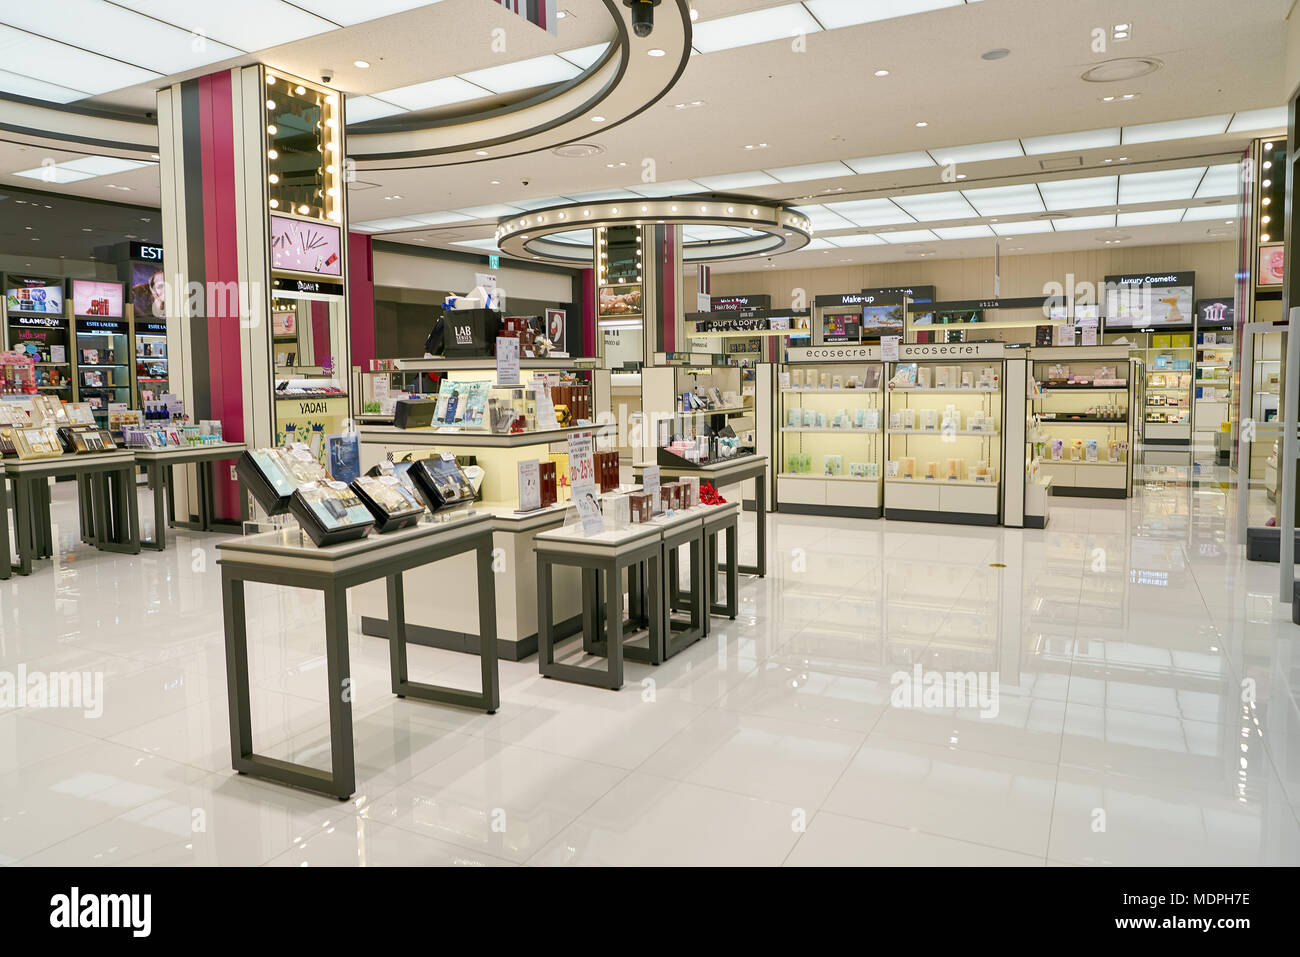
<point x="114" y="511"/>
<point x="158" y="465"/>
<point x="730" y="472"/>
<point x="287" y="559"/>
<point x="725" y="523"/>
<point x="607" y="555"/>
<point x="685" y="530"/>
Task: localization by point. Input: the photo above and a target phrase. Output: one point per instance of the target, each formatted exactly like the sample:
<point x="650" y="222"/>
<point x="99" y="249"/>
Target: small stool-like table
<point x="287" y="558"/>
<point x="607" y="555"/>
<point x="158" y="465"/>
<point x="684" y="530"/>
<point x="725" y="522"/>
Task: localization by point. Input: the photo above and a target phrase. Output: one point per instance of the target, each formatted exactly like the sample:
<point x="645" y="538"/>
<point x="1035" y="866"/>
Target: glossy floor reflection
<point x="1145" y="712"/>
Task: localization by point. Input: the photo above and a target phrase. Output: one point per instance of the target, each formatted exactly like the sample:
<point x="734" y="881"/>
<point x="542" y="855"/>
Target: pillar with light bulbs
<point x="256" y="259"/>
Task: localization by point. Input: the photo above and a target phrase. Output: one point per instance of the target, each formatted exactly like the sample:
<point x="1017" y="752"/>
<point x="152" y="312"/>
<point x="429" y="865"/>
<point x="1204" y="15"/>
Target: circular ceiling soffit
<point x="578" y="150"/>
<point x="771" y="228"/>
<point x="1124" y="68"/>
<point x="622" y="84"/>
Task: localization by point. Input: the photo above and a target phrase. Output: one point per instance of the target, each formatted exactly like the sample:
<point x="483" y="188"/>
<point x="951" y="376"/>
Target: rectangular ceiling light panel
<point x="963" y="232"/>
<point x="801" y="174"/>
<point x="1005" y="200"/>
<point x="1219" y="181"/>
<point x="936" y="207"/>
<point x="1022" y="229"/>
<point x="833" y="14"/>
<point x="870" y="212"/>
<point x="53" y="174"/>
<point x="1151" y="218"/>
<point x="66" y="66"/>
<point x="823" y="219"/>
<point x="585" y="57"/>
<point x="359" y="109"/>
<point x="889" y="163"/>
<point x="249" y="25"/>
<point x="681" y="187"/>
<point x="523" y="75"/>
<point x="1205" y="214"/>
<point x="1176" y="129"/>
<point x="1273" y="118"/>
<point x="1080" y="193"/>
<point x="1070" y="142"/>
<point x="37" y="89"/>
<point x="433" y="93"/>
<point x="758" y="26"/>
<point x="1160" y="186"/>
<point x="102" y="165"/>
<point x="1071" y="223"/>
<point x="863" y="239"/>
<point x="978" y="153"/>
<point x="736" y="181"/>
<point x="909" y="236"/>
<point x="349" y="12"/>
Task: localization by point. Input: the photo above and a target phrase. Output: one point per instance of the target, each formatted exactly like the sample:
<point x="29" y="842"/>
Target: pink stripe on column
<point x="361" y="298"/>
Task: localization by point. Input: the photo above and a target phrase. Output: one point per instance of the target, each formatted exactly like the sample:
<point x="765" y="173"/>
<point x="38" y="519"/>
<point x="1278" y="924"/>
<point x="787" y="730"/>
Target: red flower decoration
<point x="709" y="495"/>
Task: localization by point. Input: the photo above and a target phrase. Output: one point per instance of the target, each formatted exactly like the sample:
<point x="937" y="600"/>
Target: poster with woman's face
<point x="148" y="291"/>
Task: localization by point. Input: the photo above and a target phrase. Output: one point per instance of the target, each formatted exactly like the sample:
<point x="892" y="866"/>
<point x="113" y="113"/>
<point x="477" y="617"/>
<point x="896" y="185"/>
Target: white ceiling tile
<point x="604" y="196"/>
<point x="681" y="187"/>
<point x="889" y="163"/>
<point x="909" y="236"/>
<point x="111" y="31"/>
<point x="585" y="57"/>
<point x="757" y="26"/>
<point x="575" y="237"/>
<point x="1005" y="200"/>
<point x="1251" y="120"/>
<point x="1176" y="129"/>
<point x="1219" y="181"/>
<point x="37" y="89"/>
<point x="523" y="74"/>
<point x="1023" y="229"/>
<point x="834" y="14"/>
<point x="823" y="219"/>
<point x="862" y="239"/>
<point x="433" y="93"/>
<point x="1071" y="223"/>
<point x="491" y="211"/>
<point x="810" y="171"/>
<point x="349" y="12"/>
<point x="978" y="153"/>
<point x="870" y="212"/>
<point x="819" y="244"/>
<point x="359" y="109"/>
<point x="934" y="207"/>
<point x="1069" y="142"/>
<point x="963" y="232"/>
<point x="53" y="174"/>
<point x="440" y="219"/>
<point x="1150" y="218"/>
<point x="1160" y="186"/>
<point x="66" y="66"/>
<point x="1220" y="211"/>
<point x="736" y="180"/>
<point x="388" y="225"/>
<point x="250" y="25"/>
<point x="102" y="165"/>
<point x="1080" y="193"/>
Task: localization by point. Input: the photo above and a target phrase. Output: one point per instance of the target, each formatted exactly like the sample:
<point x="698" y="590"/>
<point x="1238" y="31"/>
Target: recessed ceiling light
<point x="1123" y="68"/>
<point x="562" y="14"/>
<point x="882" y="73"/>
<point x="598" y="119"/>
<point x="361" y="64"/>
<point x="654" y="51"/>
<point x="496" y="182"/>
<point x="695" y="14"/>
<point x="480" y="153"/>
<point x="922" y="123"/>
<point x="995" y="54"/>
<point x="153" y="156"/>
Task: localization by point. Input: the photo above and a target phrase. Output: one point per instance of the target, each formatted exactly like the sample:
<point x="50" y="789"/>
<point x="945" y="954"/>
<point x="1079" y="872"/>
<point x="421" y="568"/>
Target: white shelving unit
<point x="825" y="468"/>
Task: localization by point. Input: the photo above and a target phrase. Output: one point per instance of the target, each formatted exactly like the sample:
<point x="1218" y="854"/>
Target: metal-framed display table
<point x="288" y="559"/>
<point x="110" y="519"/>
<point x="731" y="472"/>
<point x="6" y="552"/>
<point x="647" y="552"/>
<point x="606" y="556"/>
<point x="158" y="465"/>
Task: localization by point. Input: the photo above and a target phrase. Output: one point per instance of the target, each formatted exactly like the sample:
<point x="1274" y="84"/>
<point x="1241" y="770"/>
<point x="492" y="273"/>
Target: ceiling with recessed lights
<point x="896" y="125"/>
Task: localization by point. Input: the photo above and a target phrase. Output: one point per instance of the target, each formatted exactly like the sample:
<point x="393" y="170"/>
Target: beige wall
<point x="1026" y="275"/>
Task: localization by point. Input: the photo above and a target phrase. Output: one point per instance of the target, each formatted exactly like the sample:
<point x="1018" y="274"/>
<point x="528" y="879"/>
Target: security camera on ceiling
<point x="643" y="16"/>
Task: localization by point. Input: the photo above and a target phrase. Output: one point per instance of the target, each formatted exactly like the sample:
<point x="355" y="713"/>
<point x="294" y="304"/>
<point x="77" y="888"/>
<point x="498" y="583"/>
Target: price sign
<point x="582" y="466"/>
<point x="889" y="348"/>
<point x="530" y="486"/>
<point x="650" y="483"/>
<point x="507" y="361"/>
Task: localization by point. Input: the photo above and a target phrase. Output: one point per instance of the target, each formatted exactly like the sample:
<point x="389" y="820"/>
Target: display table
<point x="158" y="465"/>
<point x="288" y="559"/>
<point x="685" y="530"/>
<point x="740" y="469"/>
<point x="725" y="522"/>
<point x="607" y="554"/>
<point x="113" y="511"/>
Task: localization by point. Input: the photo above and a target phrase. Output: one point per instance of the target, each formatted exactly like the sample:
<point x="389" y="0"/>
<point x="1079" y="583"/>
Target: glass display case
<point x="943" y="450"/>
<point x="693" y="400"/>
<point x="151" y="359"/>
<point x="38" y="325"/>
<point x="1080" y="409"/>
<point x="103" y="364"/>
<point x="830" y="423"/>
<point x="1213" y="396"/>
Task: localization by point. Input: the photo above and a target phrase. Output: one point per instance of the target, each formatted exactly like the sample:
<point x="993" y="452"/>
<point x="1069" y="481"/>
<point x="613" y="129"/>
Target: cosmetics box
<point x="330" y="513"/>
<point x="271" y="475"/>
<point x="391" y="504"/>
<point x="442" y="483"/>
<point x="42" y="443"/>
<point x="640" y="505"/>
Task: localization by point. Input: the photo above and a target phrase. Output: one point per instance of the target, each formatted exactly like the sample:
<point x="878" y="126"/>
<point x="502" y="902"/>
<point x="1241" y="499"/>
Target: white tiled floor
<point x="1120" y="636"/>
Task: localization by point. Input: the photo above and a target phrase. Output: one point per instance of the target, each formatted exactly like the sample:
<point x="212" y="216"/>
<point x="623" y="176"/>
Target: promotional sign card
<point x="650" y="483"/>
<point x="507" y="360"/>
<point x="582" y="467"/>
<point x="530" y="486"/>
<point x="584" y="497"/>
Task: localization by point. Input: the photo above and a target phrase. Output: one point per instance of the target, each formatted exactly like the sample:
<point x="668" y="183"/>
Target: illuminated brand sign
<point x="145" y="252"/>
<point x="942" y="350"/>
<point x="834" y="353"/>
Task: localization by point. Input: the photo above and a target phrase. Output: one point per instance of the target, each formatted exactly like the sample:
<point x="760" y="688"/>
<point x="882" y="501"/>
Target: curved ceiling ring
<point x="780" y="229"/>
<point x="622" y="85"/>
